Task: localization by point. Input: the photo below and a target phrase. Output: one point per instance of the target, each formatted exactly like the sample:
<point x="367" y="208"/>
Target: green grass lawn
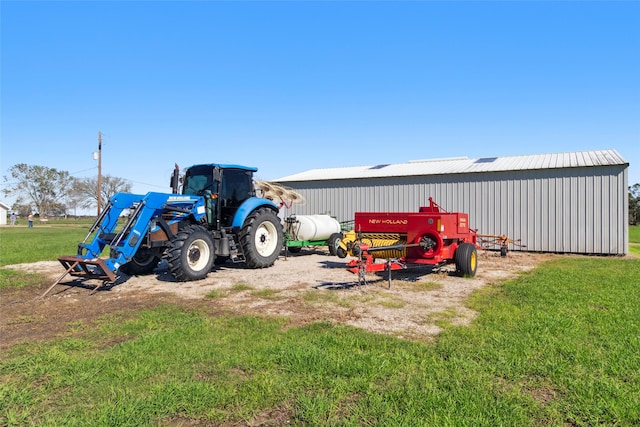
<point x="42" y="242"/>
<point x="634" y="239"/>
<point x="558" y="346"/>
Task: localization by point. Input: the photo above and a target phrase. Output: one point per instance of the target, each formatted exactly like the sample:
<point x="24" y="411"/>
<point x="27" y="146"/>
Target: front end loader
<point x="216" y="218"/>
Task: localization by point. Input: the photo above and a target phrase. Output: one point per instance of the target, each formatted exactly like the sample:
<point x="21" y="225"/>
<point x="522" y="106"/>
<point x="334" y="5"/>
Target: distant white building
<point x="573" y="202"/>
<point x="4" y="211"/>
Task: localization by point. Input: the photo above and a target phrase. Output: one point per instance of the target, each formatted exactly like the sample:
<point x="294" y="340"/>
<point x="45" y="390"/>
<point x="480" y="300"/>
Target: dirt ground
<point x="306" y="287"/>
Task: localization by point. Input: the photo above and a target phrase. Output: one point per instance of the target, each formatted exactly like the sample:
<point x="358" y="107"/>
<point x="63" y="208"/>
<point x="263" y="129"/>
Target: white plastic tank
<point x="311" y="227"/>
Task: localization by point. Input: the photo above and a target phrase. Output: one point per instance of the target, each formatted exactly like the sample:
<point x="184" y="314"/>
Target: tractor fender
<point x="248" y="206"/>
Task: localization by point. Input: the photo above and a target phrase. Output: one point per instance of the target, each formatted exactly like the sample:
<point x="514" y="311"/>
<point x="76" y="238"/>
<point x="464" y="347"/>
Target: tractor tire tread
<point x="176" y="258"/>
<point x="253" y="259"/>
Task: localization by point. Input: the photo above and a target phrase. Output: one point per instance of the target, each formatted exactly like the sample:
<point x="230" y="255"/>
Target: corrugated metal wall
<point x="572" y="210"/>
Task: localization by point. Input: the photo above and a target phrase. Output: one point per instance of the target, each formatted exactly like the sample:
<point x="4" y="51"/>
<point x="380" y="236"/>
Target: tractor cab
<point x="224" y="188"/>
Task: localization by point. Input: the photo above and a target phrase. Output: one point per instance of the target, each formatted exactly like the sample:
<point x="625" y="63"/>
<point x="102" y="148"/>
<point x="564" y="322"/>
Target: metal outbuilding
<point x="574" y="202"/>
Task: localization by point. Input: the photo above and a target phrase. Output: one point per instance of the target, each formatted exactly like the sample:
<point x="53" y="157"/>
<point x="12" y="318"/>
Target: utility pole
<point x="99" y="170"/>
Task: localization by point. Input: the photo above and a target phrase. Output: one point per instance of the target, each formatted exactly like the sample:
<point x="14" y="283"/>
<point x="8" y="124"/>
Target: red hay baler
<point x="431" y="236"/>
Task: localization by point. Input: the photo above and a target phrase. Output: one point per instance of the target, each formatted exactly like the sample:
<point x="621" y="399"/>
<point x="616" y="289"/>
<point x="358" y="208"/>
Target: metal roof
<point x="461" y="165"/>
<point x="227" y="166"/>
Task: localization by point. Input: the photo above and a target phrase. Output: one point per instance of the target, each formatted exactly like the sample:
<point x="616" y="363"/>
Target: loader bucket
<point x="78" y="266"/>
<point x="85" y="268"/>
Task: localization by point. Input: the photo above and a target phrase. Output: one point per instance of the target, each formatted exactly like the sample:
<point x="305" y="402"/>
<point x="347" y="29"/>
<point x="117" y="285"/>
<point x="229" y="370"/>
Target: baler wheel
<point x="466" y="258"/>
<point x="191" y="254"/>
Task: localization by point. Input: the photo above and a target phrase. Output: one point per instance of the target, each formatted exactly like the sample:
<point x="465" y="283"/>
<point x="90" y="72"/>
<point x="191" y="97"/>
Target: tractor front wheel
<point x="466" y="258"/>
<point x="191" y="254"/>
<point x="143" y="262"/>
<point x="261" y="238"/>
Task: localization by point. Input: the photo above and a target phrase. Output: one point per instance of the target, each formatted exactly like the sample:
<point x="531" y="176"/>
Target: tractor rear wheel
<point x="261" y="238"/>
<point x="191" y="254"/>
<point x="143" y="262"/>
<point x="466" y="258"/>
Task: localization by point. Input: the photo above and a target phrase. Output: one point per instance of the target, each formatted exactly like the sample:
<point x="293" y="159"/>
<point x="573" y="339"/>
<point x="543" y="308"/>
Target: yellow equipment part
<point x="348" y="239"/>
<point x="376" y="240"/>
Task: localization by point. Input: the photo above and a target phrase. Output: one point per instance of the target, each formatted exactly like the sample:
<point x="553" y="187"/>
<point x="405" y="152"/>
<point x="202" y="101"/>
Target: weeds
<point x="555" y="346"/>
<point x="241" y="286"/>
<point x="216" y="293"/>
<point x="270" y="294"/>
<point x="18" y="279"/>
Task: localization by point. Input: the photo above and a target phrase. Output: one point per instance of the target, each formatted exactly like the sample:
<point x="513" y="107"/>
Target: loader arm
<point x="124" y="239"/>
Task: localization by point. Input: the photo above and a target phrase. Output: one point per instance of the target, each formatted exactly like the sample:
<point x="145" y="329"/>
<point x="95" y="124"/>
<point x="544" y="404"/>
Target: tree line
<point x="51" y="192"/>
<point x="634" y="204"/>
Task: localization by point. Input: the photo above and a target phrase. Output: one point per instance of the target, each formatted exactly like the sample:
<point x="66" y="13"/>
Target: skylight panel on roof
<point x="379" y="166"/>
<point x="486" y="160"/>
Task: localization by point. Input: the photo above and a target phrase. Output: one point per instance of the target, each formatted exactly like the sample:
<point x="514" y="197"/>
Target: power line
<point x="145" y="183"/>
<point x="84" y="170"/>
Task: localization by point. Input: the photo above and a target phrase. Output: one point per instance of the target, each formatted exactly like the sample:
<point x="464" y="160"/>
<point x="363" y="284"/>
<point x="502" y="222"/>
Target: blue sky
<point x="291" y="86"/>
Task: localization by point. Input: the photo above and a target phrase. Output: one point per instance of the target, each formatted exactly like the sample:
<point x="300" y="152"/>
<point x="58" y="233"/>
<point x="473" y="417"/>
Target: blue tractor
<point x="215" y="218"/>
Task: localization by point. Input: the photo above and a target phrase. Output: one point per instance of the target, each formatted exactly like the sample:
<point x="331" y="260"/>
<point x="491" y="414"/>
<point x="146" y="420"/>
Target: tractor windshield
<point x="199" y="179"/>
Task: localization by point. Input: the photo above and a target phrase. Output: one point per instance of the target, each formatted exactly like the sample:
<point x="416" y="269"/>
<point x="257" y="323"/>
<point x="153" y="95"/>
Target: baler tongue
<point x="94" y="268"/>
